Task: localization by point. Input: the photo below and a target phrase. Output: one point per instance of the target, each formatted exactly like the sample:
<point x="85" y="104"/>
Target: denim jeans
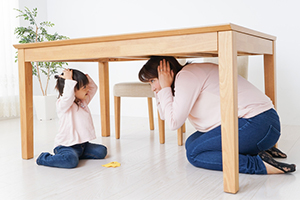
<point x="256" y="134"/>
<point x="68" y="157"/>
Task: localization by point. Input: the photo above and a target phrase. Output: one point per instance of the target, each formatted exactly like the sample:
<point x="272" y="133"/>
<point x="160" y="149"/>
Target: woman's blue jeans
<point x="256" y="134"/>
<point x="68" y="157"/>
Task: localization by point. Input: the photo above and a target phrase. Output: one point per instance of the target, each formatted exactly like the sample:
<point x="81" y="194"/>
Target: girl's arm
<point x="92" y="90"/>
<point x="68" y="97"/>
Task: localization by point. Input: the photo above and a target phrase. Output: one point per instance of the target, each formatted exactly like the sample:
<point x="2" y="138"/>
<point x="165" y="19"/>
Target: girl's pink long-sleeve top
<point x="75" y="121"/>
<point x="197" y="98"/>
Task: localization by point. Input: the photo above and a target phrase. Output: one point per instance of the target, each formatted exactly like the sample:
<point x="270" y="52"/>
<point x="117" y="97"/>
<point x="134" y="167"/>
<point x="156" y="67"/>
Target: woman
<point x="192" y="91"/>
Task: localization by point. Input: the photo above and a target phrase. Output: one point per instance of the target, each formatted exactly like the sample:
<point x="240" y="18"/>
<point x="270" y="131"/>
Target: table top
<point x="177" y="32"/>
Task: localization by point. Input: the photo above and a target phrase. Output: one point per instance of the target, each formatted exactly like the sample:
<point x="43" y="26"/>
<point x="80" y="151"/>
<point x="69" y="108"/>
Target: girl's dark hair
<point x="149" y="70"/>
<point x="78" y="76"/>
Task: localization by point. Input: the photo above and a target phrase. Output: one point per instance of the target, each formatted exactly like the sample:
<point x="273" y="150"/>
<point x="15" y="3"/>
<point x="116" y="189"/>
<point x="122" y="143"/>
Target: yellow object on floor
<point x="112" y="164"/>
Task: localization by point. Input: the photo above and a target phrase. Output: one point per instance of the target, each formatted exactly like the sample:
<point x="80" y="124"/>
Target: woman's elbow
<point x="174" y="127"/>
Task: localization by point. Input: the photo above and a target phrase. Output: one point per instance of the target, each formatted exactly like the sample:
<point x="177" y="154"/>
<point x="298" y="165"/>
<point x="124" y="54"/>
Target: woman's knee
<point x="192" y="157"/>
<point x="192" y="138"/>
<point x="189" y="156"/>
<point x="207" y="160"/>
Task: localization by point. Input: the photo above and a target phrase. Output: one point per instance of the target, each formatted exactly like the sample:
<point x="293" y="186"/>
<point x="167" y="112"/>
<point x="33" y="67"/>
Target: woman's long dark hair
<point x="149" y="70"/>
<point x="78" y="76"/>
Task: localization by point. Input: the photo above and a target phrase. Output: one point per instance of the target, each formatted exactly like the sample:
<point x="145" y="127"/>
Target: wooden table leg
<point x="26" y="107"/>
<point x="229" y="117"/>
<point x="270" y="77"/>
<point x="104" y="98"/>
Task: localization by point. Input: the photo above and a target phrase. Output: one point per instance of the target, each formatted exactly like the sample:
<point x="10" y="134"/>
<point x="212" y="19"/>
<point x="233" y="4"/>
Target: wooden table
<point x="226" y="41"/>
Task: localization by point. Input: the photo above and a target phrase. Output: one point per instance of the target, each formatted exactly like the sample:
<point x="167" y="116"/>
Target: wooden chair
<point x="139" y="89"/>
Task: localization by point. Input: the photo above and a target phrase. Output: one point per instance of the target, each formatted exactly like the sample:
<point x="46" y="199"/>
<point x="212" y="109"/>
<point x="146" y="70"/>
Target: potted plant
<point x="37" y="32"/>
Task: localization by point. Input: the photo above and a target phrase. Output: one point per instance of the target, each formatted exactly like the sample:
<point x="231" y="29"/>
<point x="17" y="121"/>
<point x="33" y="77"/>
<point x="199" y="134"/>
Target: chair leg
<point x="180" y="135"/>
<point x="117" y="116"/>
<point x="183" y="128"/>
<point x="150" y="111"/>
<point x="161" y="126"/>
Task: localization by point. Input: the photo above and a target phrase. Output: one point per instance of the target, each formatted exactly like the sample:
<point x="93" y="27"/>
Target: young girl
<point x="76" y="128"/>
<point x="194" y="94"/>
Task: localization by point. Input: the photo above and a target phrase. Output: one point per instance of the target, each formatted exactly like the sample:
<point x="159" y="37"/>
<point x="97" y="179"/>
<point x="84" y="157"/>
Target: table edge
<point x="165" y="33"/>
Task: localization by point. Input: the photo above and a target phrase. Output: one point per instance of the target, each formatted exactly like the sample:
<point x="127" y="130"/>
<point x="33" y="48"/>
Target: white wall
<point x="77" y="18"/>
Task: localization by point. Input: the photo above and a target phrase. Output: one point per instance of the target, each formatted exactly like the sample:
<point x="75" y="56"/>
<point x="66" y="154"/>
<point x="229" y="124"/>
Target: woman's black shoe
<point x="276" y="153"/>
<point x="286" y="168"/>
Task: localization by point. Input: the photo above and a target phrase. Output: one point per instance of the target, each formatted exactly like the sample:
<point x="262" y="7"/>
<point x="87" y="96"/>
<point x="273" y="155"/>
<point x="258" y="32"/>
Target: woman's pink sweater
<point x="197" y="98"/>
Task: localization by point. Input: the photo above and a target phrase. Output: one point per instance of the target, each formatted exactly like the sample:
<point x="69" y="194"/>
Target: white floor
<point x="149" y="170"/>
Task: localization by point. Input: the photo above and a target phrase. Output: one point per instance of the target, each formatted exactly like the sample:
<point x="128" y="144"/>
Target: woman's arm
<point x="176" y="109"/>
<point x="158" y="106"/>
<point x="165" y="74"/>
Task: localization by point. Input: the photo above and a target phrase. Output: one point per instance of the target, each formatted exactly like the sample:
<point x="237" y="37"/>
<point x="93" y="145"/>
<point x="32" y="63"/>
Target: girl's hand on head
<point x="165" y="74"/>
<point x="68" y="73"/>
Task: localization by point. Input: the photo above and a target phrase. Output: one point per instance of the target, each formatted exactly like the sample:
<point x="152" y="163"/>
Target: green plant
<point x="38" y="33"/>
